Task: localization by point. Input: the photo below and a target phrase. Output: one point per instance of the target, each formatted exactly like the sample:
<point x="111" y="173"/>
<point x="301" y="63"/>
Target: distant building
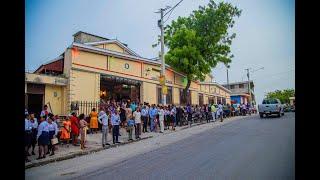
<point x="240" y="92"/>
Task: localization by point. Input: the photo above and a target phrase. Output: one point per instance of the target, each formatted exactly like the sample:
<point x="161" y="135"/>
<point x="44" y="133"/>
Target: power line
<point x="171" y="10"/>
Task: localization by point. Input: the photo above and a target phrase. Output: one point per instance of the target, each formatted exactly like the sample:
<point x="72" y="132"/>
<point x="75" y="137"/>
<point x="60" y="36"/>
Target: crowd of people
<point x="112" y="116"/>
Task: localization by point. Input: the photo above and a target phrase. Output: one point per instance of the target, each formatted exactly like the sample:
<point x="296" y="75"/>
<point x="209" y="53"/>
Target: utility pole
<point x="228" y="76"/>
<point x="163" y="68"/>
<point x="249" y="88"/>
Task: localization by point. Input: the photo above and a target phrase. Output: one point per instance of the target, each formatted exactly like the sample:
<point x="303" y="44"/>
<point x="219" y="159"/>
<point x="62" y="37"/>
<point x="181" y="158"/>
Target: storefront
<point x="119" y="89"/>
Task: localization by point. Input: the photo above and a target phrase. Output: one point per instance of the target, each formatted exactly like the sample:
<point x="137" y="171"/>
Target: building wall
<point x="194" y="97"/>
<point x="91" y="59"/>
<point x="55" y="96"/>
<point x="176" y="96"/>
<point x="85" y="86"/>
<point x="149" y="93"/>
<point x="205" y="99"/>
<point x="124" y="66"/>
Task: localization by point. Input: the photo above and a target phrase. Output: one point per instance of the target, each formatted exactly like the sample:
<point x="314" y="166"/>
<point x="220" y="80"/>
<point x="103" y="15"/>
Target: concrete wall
<point x="176" y="96"/>
<point x="194" y="97"/>
<point x="149" y="93"/>
<point x="126" y="67"/>
<point x="55" y="96"/>
<point x="91" y="59"/>
<point x="85" y="86"/>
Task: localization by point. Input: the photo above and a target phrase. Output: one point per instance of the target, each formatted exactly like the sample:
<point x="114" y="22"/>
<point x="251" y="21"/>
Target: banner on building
<point x="164" y="90"/>
<point x="162" y="80"/>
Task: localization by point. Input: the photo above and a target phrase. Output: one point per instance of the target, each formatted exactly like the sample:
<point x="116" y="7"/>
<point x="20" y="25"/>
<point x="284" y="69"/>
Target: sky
<point x="265" y="34"/>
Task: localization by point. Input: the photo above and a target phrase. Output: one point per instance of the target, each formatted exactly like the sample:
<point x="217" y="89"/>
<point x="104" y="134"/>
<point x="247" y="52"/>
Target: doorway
<point x="35" y="103"/>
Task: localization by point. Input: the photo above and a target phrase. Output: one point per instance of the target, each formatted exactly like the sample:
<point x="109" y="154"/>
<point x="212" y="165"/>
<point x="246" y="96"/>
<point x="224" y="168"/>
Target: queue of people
<point x="112" y="116"/>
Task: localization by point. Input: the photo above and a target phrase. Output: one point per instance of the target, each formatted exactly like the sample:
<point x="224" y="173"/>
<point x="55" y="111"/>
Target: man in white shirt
<point x="103" y="119"/>
<point x="220" y="111"/>
<point x="137" y="120"/>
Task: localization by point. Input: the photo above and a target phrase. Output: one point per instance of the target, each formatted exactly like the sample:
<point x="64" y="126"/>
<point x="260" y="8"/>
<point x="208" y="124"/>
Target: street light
<point x="248" y="75"/>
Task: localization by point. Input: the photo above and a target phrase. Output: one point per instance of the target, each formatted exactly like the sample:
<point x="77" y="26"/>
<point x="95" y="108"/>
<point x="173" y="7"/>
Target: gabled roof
<point x="122" y="45"/>
<point x="214" y="83"/>
<point x="90" y="35"/>
<point x="50" y="62"/>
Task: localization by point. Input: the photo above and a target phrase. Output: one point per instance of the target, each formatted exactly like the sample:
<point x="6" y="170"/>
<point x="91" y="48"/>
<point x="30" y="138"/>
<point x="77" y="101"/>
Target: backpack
<point x="209" y="108"/>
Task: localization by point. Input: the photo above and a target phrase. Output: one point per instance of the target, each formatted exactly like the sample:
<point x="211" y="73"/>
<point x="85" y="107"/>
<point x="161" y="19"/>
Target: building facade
<point x="240" y="92"/>
<point x="97" y="68"/>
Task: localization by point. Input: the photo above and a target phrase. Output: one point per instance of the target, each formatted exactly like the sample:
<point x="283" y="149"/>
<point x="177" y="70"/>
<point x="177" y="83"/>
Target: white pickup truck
<point x="269" y="107"/>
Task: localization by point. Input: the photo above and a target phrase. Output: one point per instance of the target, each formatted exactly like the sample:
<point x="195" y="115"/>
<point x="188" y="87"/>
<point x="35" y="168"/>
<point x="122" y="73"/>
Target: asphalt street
<point x="249" y="148"/>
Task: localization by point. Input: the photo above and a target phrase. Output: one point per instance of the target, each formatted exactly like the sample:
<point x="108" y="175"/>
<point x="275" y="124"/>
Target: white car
<point x="269" y="107"/>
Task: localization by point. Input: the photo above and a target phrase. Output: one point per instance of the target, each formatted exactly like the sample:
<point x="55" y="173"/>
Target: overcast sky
<point x="265" y="33"/>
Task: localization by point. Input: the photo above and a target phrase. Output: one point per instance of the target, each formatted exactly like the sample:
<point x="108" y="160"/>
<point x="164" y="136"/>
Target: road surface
<point x="248" y="148"/>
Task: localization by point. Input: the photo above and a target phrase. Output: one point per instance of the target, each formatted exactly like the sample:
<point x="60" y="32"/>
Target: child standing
<point x="130" y="127"/>
<point x="83" y="128"/>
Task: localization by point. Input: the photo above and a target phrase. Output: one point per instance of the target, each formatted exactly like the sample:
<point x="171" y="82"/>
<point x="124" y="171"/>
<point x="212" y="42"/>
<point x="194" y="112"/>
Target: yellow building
<point x="97" y="68"/>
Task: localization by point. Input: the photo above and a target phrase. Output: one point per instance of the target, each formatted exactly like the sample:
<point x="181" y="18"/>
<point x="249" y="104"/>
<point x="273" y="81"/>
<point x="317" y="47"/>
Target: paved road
<point x="250" y="148"/>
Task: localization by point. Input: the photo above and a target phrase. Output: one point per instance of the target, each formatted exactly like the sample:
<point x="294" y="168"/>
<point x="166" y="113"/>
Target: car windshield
<point x="270" y="101"/>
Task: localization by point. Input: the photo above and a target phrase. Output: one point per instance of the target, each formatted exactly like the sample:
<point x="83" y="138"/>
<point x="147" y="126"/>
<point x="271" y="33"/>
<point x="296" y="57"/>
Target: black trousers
<point x="115" y="133"/>
<point x="137" y="130"/>
<point x="145" y="123"/>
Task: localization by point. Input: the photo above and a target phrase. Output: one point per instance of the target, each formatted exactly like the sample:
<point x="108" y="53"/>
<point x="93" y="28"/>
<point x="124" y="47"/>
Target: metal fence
<point x="84" y="107"/>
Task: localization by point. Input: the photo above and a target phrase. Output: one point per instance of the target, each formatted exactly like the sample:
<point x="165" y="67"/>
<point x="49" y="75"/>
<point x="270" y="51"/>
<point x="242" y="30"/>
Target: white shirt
<point x="103" y="118"/>
<point x="137" y="117"/>
<point x="161" y="115"/>
<point x="43" y="126"/>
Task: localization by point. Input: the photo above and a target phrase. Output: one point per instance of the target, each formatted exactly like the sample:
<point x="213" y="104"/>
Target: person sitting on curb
<point x="130" y="128"/>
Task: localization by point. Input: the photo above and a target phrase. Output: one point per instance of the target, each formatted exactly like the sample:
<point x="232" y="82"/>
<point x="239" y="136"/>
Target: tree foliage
<point x="283" y="95"/>
<point x="199" y="42"/>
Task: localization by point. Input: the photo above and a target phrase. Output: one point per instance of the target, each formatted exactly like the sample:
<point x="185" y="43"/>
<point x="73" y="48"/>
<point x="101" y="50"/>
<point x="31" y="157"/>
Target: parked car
<point x="270" y="107"/>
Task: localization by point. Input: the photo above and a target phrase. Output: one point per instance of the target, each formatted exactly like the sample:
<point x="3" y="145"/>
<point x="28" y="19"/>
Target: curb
<point x="70" y="156"/>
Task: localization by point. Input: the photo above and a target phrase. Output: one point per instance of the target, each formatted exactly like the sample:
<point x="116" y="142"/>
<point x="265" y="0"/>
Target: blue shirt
<point x="43" y="126"/>
<point x="130" y="122"/>
<point x="189" y="109"/>
<point x="144" y="112"/>
<point x="153" y="113"/>
<point x="133" y="107"/>
<point x="53" y="127"/>
<point x="115" y="119"/>
<point x="27" y="125"/>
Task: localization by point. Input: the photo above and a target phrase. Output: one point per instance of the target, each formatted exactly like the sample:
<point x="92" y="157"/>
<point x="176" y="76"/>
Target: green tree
<point x="199" y="42"/>
<point x="283" y="95"/>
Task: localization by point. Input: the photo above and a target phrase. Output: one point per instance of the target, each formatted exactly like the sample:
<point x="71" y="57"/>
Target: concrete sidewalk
<point x="93" y="144"/>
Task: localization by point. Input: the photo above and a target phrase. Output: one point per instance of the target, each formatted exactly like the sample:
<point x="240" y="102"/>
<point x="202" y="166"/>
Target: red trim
<point x="109" y="70"/>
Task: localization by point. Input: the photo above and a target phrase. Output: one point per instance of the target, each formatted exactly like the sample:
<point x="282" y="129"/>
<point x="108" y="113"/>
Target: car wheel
<point x="261" y="115"/>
